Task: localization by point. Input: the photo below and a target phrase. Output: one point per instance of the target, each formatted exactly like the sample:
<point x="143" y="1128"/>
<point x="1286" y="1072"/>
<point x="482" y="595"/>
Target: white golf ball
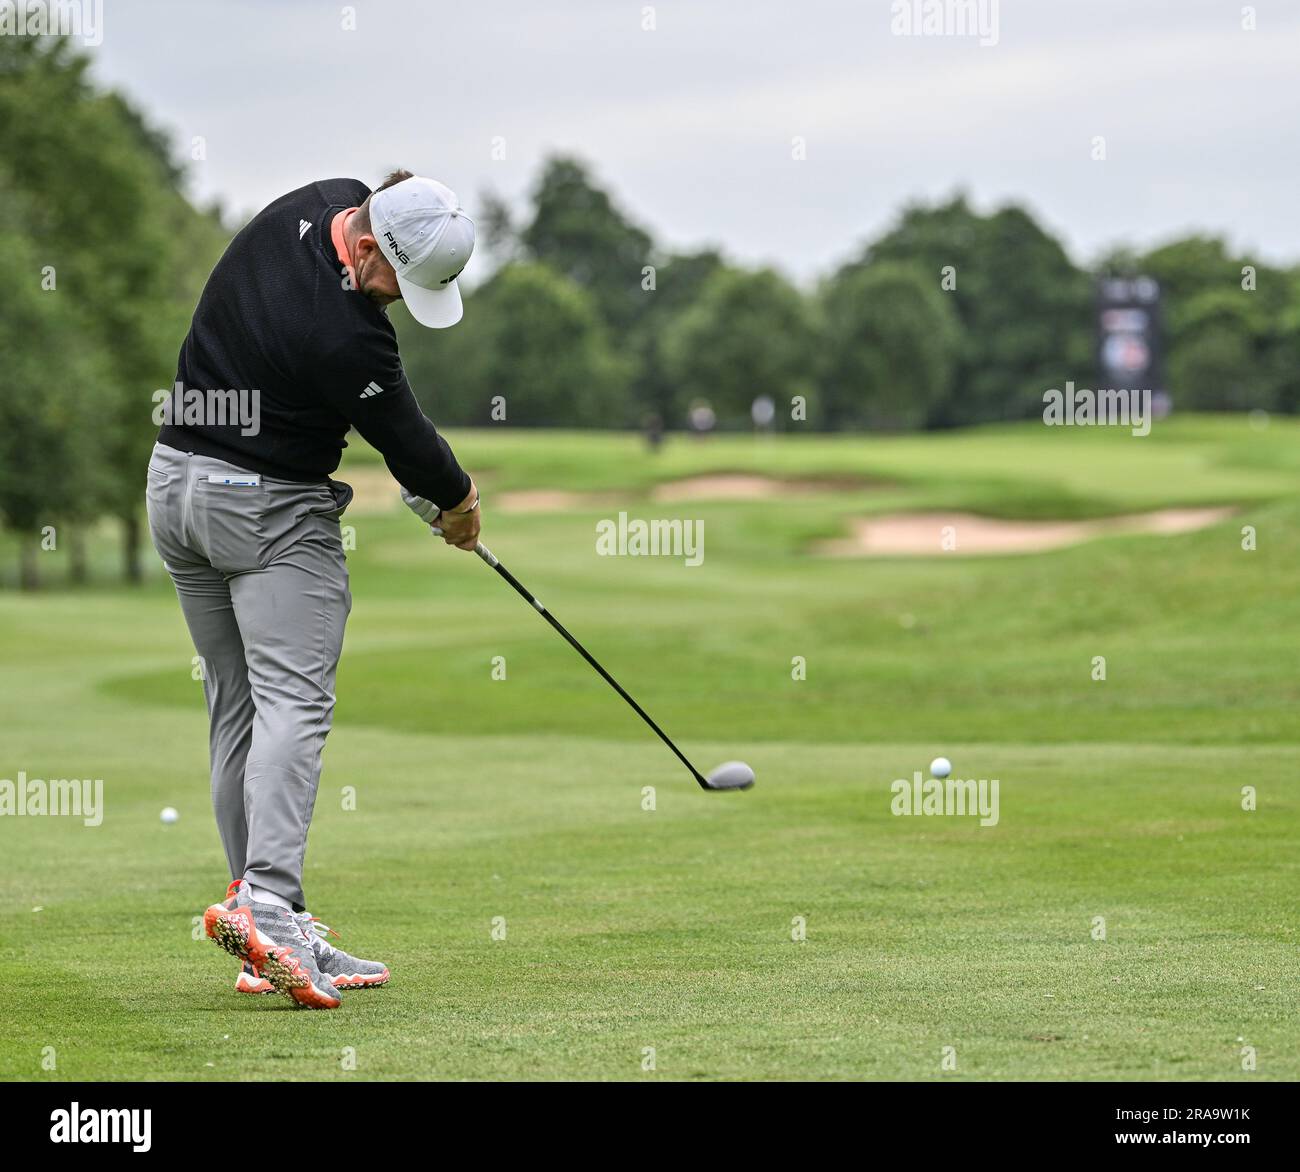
<point x="940" y="767"/>
<point x="169" y="814"/>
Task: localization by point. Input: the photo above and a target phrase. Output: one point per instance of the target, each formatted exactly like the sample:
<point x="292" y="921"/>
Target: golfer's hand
<point x="459" y="525"/>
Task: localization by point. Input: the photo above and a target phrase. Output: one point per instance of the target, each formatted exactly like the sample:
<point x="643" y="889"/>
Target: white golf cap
<point x="428" y="240"/>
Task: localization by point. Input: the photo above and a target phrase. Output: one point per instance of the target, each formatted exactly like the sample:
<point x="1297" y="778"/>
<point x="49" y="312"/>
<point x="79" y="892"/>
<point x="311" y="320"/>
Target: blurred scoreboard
<point x="1129" y="351"/>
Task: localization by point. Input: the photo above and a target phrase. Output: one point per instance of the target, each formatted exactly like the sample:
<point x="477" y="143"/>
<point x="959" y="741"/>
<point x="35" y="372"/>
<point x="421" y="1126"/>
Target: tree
<point x="496" y="237"/>
<point x="49" y="387"/>
<point x="128" y="250"/>
<point x="678" y="282"/>
<point x="577" y="230"/>
<point x="748" y="333"/>
<point x="1185" y="268"/>
<point x="1281" y="361"/>
<point x="1229" y="326"/>
<point x="1027" y="311"/>
<point x="530" y="339"/>
<point x="1213" y="367"/>
<point x="892" y="341"/>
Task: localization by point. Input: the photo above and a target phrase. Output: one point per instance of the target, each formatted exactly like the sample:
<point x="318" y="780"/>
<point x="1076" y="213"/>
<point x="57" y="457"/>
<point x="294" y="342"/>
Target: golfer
<point x="245" y="516"/>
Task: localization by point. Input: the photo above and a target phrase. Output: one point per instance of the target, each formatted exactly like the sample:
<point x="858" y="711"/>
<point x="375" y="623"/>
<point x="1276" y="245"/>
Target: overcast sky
<point x="692" y="124"/>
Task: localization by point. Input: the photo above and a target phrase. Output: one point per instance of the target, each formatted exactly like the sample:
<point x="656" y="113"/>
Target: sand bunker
<point x="722" y="486"/>
<point x="925" y="534"/>
<point x="889" y="535"/>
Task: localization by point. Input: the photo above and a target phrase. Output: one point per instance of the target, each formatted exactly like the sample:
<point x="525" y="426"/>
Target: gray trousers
<point x="261" y="578"/>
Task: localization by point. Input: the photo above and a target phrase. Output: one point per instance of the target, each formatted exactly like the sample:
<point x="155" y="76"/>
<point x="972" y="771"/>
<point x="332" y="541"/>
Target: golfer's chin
<point x="381" y="298"/>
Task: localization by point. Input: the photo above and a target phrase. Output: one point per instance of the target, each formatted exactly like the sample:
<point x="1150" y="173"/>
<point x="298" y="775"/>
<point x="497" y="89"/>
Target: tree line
<point x="101" y="261"/>
<point x="951" y="317"/>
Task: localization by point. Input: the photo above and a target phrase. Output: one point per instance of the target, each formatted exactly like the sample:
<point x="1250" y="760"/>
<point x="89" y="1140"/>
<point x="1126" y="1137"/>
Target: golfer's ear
<point x="364" y="246"/>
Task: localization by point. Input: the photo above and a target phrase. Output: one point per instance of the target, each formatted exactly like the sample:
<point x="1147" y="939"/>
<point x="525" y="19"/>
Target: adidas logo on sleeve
<point x="372" y="389"/>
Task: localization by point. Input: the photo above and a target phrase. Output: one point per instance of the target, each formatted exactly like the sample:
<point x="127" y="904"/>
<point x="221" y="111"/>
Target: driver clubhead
<point x="731" y="775"/>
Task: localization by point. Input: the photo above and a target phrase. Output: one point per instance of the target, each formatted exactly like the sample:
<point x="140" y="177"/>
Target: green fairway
<point x="489" y="838"/>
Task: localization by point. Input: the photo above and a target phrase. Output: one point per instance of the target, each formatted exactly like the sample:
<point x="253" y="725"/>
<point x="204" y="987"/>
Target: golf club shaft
<point x="488" y="556"/>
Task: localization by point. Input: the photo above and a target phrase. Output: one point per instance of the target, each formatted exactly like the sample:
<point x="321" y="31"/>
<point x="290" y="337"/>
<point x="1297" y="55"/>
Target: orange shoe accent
<point x="256" y="984"/>
<point x="360" y="981"/>
<point x="233" y="929"/>
<point x="284" y="970"/>
<point x="316" y="920"/>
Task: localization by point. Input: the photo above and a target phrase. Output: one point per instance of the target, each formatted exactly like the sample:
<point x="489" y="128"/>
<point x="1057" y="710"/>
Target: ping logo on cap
<point x="398" y="251"/>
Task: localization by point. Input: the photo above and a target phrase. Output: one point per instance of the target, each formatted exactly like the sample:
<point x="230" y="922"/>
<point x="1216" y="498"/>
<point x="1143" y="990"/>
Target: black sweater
<point x="277" y="316"/>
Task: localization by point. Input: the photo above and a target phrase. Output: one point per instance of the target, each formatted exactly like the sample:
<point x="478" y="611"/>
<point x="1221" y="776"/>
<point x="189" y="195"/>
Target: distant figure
<point x="763" y="413"/>
<point x="653" y="428"/>
<point x="702" y="418"/>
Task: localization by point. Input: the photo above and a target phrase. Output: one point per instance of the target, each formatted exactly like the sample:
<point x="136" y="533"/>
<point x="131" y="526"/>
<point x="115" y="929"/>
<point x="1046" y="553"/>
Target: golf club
<point x="729" y="775"/>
